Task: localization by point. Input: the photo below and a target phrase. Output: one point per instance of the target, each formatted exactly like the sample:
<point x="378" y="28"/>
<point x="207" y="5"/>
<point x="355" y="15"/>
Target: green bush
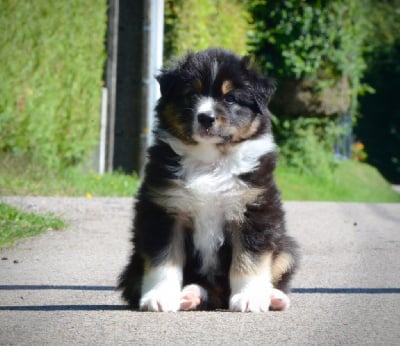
<point x="52" y="62"/>
<point x="316" y="51"/>
<point x="196" y="25"/>
<point x="307" y="145"/>
<point x="317" y="40"/>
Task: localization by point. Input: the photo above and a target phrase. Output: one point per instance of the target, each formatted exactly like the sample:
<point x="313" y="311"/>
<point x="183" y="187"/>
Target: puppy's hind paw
<point x="279" y="300"/>
<point x="192" y="296"/>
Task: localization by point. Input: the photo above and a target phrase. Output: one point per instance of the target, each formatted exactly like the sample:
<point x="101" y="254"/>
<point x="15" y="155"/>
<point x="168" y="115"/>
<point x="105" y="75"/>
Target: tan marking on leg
<point x="244" y="262"/>
<point x="247" y="264"/>
<point x="250" y="281"/>
<point x="281" y="265"/>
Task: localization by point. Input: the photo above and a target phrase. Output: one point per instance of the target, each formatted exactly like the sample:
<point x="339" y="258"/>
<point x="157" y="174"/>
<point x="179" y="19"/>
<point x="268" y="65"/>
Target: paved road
<point x="58" y="288"/>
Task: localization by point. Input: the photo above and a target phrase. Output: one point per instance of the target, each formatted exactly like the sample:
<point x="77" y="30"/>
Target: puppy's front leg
<point x="163" y="269"/>
<point x="250" y="280"/>
<point x="161" y="287"/>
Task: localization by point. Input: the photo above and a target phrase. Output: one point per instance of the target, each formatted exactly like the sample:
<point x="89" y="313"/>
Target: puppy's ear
<point x="166" y="79"/>
<point x="262" y="87"/>
<point x="267" y="87"/>
<point x="245" y="62"/>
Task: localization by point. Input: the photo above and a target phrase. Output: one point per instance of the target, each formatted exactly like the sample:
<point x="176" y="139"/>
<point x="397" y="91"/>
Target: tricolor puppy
<point x="209" y="229"/>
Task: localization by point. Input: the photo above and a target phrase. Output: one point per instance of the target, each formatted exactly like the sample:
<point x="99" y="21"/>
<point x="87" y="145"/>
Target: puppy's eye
<point x="229" y="98"/>
<point x="188" y="98"/>
<point x="190" y="95"/>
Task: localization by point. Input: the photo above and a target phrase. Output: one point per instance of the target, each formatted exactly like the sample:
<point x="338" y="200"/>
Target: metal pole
<point x="153" y="28"/>
<point x="156" y="58"/>
<point x="112" y="47"/>
<point x="146" y="79"/>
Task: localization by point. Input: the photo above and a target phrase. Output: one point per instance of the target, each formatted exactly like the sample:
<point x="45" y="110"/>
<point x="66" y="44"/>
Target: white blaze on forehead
<point x="205" y="105"/>
<point x="214" y="70"/>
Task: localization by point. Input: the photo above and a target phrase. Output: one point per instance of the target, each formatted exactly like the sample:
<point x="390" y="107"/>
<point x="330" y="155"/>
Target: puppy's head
<point x="213" y="96"/>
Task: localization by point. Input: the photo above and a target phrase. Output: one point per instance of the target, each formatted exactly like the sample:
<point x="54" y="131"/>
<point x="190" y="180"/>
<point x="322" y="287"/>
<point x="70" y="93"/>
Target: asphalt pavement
<point x="59" y="288"/>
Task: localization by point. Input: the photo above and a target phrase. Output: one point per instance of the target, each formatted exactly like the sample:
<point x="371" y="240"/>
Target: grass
<point x="351" y="182"/>
<point x="20" y="177"/>
<point x="16" y="224"/>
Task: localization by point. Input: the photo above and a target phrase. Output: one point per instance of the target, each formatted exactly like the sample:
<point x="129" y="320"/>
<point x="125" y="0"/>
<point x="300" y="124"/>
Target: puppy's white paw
<point x="250" y="293"/>
<point x="161" y="299"/>
<point x="250" y="301"/>
<point x="161" y="289"/>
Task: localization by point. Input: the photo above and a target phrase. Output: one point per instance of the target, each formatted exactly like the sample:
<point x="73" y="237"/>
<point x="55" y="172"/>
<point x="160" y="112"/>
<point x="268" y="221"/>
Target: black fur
<point x="262" y="228"/>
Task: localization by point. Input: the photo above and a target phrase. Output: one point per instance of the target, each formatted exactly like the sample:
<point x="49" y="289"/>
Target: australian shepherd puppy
<point x="209" y="229"/>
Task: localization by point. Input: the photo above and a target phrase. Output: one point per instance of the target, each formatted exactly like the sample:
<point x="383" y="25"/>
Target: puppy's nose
<point x="206" y="119"/>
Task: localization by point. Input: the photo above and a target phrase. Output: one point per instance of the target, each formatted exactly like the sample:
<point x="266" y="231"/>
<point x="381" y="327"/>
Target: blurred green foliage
<point x="52" y="56"/>
<point x="306" y="145"/>
<point x="323" y="41"/>
<point x="317" y="40"/>
<point x="196" y="25"/>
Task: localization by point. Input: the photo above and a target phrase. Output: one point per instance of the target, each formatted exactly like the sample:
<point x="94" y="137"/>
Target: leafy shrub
<point x="52" y="61"/>
<point x="317" y="40"/>
<point x="307" y="145"/>
<point x="316" y="51"/>
<point x="196" y="25"/>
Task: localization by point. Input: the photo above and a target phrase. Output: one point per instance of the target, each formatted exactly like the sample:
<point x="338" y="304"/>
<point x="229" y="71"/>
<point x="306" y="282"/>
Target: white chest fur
<point x="209" y="191"/>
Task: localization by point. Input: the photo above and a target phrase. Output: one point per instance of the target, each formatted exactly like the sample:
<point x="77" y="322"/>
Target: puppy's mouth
<point x="212" y="138"/>
<point x="211" y="133"/>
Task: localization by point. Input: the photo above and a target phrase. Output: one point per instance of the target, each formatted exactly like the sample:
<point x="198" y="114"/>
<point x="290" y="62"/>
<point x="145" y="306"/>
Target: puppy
<point x="209" y="230"/>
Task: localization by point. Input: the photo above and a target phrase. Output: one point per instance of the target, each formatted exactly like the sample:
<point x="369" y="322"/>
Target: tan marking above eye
<point x="226" y="87"/>
<point x="197" y="85"/>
